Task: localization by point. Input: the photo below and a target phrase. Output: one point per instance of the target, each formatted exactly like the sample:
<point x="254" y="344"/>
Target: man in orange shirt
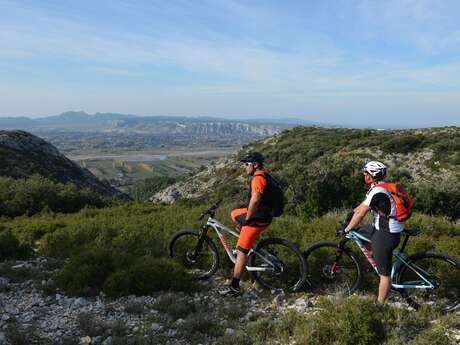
<point x="250" y="220"/>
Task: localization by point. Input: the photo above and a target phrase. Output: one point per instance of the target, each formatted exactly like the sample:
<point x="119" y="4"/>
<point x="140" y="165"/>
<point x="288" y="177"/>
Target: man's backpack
<point x="402" y="199"/>
<point x="274" y="196"/>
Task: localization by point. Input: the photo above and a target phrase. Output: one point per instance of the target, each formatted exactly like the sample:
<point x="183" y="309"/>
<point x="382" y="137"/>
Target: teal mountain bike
<point x="424" y="278"/>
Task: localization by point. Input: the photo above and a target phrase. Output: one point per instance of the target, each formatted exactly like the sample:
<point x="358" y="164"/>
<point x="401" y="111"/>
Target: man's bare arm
<point x="253" y="204"/>
<point x="358" y="215"/>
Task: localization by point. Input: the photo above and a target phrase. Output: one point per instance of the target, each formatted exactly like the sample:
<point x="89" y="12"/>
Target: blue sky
<point x="345" y="61"/>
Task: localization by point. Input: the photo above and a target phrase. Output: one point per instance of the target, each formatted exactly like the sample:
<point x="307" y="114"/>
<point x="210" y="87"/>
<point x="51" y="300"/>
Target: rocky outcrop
<point x="196" y="186"/>
<point x="23" y="154"/>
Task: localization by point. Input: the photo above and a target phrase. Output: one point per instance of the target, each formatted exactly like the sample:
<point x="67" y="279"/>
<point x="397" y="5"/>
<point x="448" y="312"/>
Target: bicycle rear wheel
<point x="284" y="264"/>
<point x="439" y="270"/>
<point x="200" y="263"/>
<point x="332" y="270"/>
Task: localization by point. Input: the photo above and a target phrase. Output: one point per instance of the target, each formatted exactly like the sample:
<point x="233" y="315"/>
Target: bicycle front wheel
<point x="200" y="261"/>
<point x="332" y="270"/>
<point x="280" y="265"/>
<point x="437" y="277"/>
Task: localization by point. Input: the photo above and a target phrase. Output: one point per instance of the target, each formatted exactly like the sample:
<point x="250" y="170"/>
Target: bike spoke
<point x="440" y="272"/>
<point x="284" y="267"/>
<point x="329" y="273"/>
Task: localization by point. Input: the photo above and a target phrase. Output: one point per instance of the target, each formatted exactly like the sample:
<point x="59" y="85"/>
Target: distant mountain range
<point x="81" y="121"/>
<point x="75" y="130"/>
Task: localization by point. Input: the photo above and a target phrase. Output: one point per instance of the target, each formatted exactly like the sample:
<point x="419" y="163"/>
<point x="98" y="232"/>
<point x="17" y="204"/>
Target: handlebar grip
<point x="339" y="231"/>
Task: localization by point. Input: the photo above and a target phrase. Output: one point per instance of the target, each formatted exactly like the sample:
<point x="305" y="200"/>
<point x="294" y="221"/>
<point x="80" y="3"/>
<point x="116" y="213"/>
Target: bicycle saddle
<point x="413" y="232"/>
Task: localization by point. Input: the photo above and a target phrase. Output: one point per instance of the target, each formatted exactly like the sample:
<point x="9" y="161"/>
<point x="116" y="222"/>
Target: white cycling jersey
<point x="393" y="225"/>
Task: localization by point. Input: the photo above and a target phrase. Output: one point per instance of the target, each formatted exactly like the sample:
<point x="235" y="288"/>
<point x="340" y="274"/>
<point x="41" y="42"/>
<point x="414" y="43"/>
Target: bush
<point x="147" y="275"/>
<point x="85" y="272"/>
<point x="10" y="248"/>
<point x="442" y="198"/>
<point x="37" y="194"/>
<point x="118" y="273"/>
<point x="357" y="321"/>
<point x="144" y="189"/>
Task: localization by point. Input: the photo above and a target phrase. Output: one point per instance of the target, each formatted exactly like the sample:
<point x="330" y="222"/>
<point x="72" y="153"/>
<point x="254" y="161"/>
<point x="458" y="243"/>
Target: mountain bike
<point x="429" y="278"/>
<point x="274" y="263"/>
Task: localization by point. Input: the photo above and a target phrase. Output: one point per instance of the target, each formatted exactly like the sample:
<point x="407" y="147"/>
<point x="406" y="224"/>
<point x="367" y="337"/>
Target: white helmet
<point x="376" y="169"/>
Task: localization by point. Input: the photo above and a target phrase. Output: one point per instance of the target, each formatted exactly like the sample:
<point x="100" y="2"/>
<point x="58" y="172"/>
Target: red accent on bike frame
<point x="224" y="242"/>
<point x="334" y="266"/>
<point x="367" y="254"/>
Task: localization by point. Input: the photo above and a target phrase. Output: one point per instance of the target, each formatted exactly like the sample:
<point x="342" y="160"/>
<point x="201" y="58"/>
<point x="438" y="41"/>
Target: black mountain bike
<point x="274" y="263"/>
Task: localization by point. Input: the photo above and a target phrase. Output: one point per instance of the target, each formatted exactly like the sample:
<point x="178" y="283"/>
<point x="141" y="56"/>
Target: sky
<point x="349" y="62"/>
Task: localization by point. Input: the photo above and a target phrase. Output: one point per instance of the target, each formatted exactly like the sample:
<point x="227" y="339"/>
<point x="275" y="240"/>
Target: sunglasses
<point x="247" y="164"/>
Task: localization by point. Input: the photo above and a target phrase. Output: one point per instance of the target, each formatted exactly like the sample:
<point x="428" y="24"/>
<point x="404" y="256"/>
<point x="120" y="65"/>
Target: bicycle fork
<point x="338" y="254"/>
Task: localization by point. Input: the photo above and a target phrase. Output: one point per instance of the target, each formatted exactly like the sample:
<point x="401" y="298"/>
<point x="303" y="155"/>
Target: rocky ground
<point x="34" y="312"/>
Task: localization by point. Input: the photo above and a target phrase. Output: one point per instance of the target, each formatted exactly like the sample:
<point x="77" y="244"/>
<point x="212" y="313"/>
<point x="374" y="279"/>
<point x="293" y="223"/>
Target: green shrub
<point x="442" y="198"/>
<point x="432" y="336"/>
<point x="403" y="143"/>
<point x="85" y="272"/>
<point x="357" y="321"/>
<point x="10" y="248"/>
<point x="91" y="325"/>
<point x="36" y="194"/>
<point x="146" y="276"/>
<point x="144" y="189"/>
<point x="175" y="306"/>
<point x="117" y="273"/>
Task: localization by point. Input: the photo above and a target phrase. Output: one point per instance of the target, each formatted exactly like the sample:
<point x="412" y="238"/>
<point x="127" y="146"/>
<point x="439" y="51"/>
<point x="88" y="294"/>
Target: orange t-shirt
<point x="258" y="183"/>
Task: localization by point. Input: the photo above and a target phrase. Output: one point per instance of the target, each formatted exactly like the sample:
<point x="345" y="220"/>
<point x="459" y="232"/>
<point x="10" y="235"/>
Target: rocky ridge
<point x="23" y="154"/>
<point x="209" y="179"/>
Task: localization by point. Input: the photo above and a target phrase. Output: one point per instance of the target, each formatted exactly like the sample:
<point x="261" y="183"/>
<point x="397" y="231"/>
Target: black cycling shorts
<point x="383" y="244"/>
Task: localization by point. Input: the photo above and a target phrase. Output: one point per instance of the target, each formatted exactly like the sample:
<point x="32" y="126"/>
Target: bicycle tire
<point x="291" y="268"/>
<point x="321" y="261"/>
<point x="181" y="246"/>
<point x="443" y="271"/>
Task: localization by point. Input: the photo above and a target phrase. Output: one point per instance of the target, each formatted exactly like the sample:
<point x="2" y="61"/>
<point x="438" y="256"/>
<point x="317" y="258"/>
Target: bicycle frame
<point x="400" y="260"/>
<point x="221" y="229"/>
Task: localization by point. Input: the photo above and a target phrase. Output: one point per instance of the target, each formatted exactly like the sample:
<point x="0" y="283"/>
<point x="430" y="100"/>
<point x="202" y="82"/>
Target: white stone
<point x="156" y="327"/>
<point x="85" y="340"/>
<point x="179" y="321"/>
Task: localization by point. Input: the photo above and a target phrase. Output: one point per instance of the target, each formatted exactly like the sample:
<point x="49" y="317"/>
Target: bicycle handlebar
<point x="211" y="209"/>
<point x="343" y="224"/>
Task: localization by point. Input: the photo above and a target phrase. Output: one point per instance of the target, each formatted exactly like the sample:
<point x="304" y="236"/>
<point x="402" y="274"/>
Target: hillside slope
<point x="23" y="154"/>
<point x="321" y="168"/>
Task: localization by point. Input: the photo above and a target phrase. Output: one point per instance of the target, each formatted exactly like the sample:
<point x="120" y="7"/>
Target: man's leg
<point x="248" y="235"/>
<point x="240" y="264"/>
<point x="384" y="243"/>
<point x="384" y="289"/>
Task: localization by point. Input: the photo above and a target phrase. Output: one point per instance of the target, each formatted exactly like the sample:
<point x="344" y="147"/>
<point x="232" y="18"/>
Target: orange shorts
<point x="248" y="233"/>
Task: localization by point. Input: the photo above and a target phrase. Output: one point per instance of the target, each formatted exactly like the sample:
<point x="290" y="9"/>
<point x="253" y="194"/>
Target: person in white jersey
<point x="385" y="231"/>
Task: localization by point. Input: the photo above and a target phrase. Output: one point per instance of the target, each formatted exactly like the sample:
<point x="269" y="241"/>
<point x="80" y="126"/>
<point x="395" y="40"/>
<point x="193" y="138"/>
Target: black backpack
<point x="275" y="195"/>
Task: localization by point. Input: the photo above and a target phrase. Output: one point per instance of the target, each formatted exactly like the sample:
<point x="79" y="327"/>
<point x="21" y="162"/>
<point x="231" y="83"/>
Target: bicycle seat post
<point x="406" y="239"/>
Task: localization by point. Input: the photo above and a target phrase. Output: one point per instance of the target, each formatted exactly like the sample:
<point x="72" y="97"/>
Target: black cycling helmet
<point x="252" y="157"/>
